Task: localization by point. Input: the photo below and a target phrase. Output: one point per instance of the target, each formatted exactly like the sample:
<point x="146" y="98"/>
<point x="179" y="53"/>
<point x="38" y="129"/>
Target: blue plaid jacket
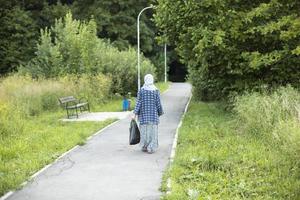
<point x="148" y="106"/>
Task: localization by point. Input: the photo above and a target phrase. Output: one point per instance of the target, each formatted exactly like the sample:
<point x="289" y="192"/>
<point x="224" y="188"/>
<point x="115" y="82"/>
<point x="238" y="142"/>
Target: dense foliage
<point x="17" y="34"/>
<point x="21" y="21"/>
<point x="116" y="21"/>
<point x="234" y="45"/>
<point x="72" y="47"/>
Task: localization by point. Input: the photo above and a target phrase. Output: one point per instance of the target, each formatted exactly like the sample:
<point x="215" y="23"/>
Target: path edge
<point x="11" y="192"/>
<point x="174" y="145"/>
<point x="169" y="86"/>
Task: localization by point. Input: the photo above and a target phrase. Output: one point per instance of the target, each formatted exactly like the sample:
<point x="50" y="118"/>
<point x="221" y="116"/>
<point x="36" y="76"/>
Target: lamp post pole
<point x="165" y="62"/>
<point x="138" y="45"/>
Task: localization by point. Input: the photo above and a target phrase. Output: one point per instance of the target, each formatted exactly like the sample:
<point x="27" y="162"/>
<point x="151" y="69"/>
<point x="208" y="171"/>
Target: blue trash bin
<point x="126" y="104"/>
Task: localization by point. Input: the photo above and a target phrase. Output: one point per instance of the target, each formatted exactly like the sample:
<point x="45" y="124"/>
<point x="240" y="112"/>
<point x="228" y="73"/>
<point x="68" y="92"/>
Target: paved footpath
<point x="107" y="168"/>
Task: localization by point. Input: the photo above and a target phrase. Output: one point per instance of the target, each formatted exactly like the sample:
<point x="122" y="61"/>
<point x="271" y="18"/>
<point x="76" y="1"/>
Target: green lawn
<point x="162" y="86"/>
<point x="215" y="161"/>
<point x="44" y="139"/>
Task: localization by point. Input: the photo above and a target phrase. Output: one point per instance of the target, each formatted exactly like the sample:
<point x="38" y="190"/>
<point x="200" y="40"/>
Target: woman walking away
<point x="148" y="109"/>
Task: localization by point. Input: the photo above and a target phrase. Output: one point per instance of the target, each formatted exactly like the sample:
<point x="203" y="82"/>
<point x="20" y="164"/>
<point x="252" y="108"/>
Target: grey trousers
<point x="149" y="137"/>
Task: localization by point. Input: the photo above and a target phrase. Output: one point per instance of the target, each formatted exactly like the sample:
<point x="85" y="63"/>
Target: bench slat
<point x="77" y="106"/>
<point x="67" y="99"/>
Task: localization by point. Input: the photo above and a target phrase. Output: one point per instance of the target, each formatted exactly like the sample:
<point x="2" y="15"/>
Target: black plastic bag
<point x="134" y="133"/>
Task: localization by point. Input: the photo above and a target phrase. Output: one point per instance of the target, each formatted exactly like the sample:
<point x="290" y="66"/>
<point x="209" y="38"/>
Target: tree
<point x="20" y="22"/>
<point x="116" y="20"/>
<point x="232" y="46"/>
<point x="17" y="33"/>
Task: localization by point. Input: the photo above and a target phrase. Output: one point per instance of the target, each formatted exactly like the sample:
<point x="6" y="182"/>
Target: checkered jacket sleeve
<point x="158" y="105"/>
<point x="138" y="104"/>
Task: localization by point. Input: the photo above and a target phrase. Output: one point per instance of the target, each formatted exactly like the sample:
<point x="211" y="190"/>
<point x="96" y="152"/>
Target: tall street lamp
<point x="165" y="62"/>
<point x="138" y="44"/>
<point x="138" y="51"/>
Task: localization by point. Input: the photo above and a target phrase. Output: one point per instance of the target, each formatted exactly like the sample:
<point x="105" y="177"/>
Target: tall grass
<point x="11" y="122"/>
<point x="275" y="117"/>
<point x="22" y="97"/>
<point x="252" y="153"/>
<point x="30" y="97"/>
<point x="214" y="161"/>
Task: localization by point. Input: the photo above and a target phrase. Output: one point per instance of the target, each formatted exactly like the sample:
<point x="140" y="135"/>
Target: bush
<point x="274" y="116"/>
<point x="121" y="65"/>
<point x="94" y="88"/>
<point x="72" y="47"/>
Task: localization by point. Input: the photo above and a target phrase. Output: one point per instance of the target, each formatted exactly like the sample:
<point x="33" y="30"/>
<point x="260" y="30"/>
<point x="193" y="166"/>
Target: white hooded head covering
<point x="149" y="83"/>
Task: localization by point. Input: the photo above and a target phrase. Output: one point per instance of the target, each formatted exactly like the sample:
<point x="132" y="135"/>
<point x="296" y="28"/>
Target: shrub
<point x="94" y="88"/>
<point x="72" y="47"/>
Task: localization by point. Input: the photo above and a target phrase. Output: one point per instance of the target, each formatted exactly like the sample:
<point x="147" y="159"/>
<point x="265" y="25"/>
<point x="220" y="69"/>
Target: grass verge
<point x="44" y="139"/>
<point x="162" y="86"/>
<point x="215" y="161"/>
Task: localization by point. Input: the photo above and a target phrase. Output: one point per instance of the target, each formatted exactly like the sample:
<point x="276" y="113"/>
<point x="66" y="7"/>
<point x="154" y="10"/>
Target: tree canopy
<point x="232" y="46"/>
<point x="21" y="22"/>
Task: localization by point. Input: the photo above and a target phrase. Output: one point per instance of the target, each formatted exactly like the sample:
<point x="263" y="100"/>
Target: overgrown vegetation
<point x="252" y="153"/>
<point x="72" y="47"/>
<point x="232" y="46"/>
<point x="29" y="97"/>
<point x="272" y="117"/>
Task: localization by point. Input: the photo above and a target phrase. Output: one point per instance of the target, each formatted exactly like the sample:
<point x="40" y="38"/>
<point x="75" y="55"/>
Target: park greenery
<point x="233" y="46"/>
<point x="240" y="137"/>
<point x="252" y="153"/>
<point x="69" y="59"/>
<point x="21" y="22"/>
<point x="246" y="53"/>
<point x="72" y="47"/>
<point x="31" y="134"/>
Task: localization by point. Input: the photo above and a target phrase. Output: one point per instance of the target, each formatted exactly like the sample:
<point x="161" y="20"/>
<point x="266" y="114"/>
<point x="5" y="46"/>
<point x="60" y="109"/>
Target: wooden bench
<point x="70" y="103"/>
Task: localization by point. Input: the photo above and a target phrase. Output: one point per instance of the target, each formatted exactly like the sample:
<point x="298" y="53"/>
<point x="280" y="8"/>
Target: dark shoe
<point x="144" y="149"/>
